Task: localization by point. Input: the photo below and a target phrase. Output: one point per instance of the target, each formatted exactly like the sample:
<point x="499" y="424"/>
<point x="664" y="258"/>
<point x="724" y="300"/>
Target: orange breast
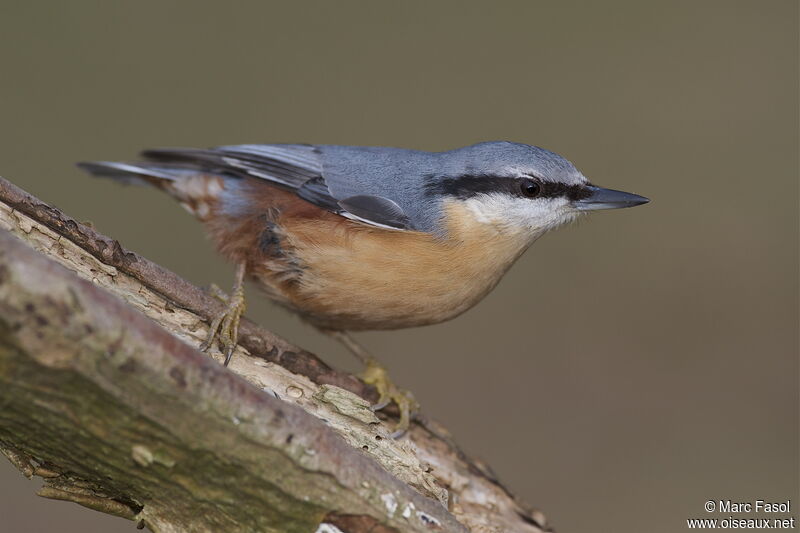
<point x="342" y="274"/>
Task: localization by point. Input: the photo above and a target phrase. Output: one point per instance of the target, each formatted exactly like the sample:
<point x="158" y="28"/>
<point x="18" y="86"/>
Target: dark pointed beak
<point x="600" y="198"/>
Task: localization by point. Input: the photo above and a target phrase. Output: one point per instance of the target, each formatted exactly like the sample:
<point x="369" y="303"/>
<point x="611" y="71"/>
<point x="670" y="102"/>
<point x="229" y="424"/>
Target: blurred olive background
<point x="628" y="368"/>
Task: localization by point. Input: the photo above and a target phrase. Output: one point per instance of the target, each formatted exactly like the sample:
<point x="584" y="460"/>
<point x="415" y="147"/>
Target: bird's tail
<point x="137" y="173"/>
<point x="196" y="190"/>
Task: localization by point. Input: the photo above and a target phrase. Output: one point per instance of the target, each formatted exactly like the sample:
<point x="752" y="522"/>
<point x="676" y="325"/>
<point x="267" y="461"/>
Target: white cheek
<point x="520" y="214"/>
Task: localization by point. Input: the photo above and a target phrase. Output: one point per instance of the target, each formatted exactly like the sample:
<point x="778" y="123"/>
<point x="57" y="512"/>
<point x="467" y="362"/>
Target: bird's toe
<point x="376" y="375"/>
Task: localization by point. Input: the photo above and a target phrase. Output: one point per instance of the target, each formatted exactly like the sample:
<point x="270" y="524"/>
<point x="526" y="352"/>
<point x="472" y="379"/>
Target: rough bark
<point x="104" y="395"/>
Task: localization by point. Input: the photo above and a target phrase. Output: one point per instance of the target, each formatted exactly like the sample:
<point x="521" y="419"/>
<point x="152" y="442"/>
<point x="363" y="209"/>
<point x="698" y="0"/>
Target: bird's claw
<point x="381" y="404"/>
<point x="225" y="326"/>
<point x="376" y="375"/>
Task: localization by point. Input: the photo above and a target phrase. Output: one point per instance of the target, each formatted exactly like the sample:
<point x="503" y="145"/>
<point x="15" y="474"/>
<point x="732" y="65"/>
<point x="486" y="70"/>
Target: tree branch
<point x="104" y="395"/>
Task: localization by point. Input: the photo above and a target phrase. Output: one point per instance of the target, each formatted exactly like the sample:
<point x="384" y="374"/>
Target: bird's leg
<point x="376" y="374"/>
<point x="225" y="326"/>
<point x="218" y="293"/>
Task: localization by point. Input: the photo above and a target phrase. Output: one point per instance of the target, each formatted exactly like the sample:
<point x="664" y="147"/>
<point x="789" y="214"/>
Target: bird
<point x="354" y="238"/>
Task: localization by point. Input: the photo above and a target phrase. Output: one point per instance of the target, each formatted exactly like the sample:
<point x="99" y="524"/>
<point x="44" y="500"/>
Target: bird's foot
<point x="376" y="374"/>
<point x="225" y="326"/>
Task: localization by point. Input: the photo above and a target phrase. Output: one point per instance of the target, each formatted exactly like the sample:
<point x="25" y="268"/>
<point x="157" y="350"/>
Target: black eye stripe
<point x="573" y="192"/>
<point x="468" y="186"/>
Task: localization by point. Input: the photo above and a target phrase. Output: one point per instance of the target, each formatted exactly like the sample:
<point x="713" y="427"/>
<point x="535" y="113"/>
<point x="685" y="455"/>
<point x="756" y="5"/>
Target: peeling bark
<point x="104" y="395"/>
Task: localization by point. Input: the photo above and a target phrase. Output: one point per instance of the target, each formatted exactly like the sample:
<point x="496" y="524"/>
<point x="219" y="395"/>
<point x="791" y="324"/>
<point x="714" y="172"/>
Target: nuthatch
<point x="360" y="238"/>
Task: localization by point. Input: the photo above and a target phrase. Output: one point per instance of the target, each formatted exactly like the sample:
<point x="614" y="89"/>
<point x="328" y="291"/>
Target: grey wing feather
<point x="297" y="167"/>
<point x="289" y="165"/>
<point x="316" y="191"/>
<point x="378" y="210"/>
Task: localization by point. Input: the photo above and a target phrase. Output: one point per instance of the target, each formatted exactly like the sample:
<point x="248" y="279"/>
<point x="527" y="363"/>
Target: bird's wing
<point x="298" y="167"/>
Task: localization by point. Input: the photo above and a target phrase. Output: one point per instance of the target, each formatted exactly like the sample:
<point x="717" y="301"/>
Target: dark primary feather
<point x="316" y="192"/>
<point x="376" y="209"/>
<point x="279" y="164"/>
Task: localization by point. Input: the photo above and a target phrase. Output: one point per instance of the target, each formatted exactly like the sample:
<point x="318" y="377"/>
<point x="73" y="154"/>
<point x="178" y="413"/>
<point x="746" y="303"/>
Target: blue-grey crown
<point x="509" y="159"/>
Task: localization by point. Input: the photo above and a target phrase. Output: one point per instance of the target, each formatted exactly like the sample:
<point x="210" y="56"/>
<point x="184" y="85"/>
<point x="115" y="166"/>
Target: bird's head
<point x="522" y="189"/>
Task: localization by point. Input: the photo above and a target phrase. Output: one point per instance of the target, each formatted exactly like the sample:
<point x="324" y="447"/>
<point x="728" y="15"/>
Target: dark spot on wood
<point x="115" y="346"/>
<point x="429" y="521"/>
<point x="365" y="448"/>
<point x="69" y="223"/>
<point x="41" y="321"/>
<point x="128" y="366"/>
<point x="113" y="253"/>
<point x="30" y="308"/>
<point x="289" y="438"/>
<point x="256" y="343"/>
<point x="273" y="351"/>
<point x="176" y="373"/>
<point x="528" y="519"/>
<point x="135" y="506"/>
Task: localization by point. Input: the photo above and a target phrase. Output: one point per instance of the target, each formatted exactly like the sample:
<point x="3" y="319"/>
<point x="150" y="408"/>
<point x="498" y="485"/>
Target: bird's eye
<point x="531" y="188"/>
